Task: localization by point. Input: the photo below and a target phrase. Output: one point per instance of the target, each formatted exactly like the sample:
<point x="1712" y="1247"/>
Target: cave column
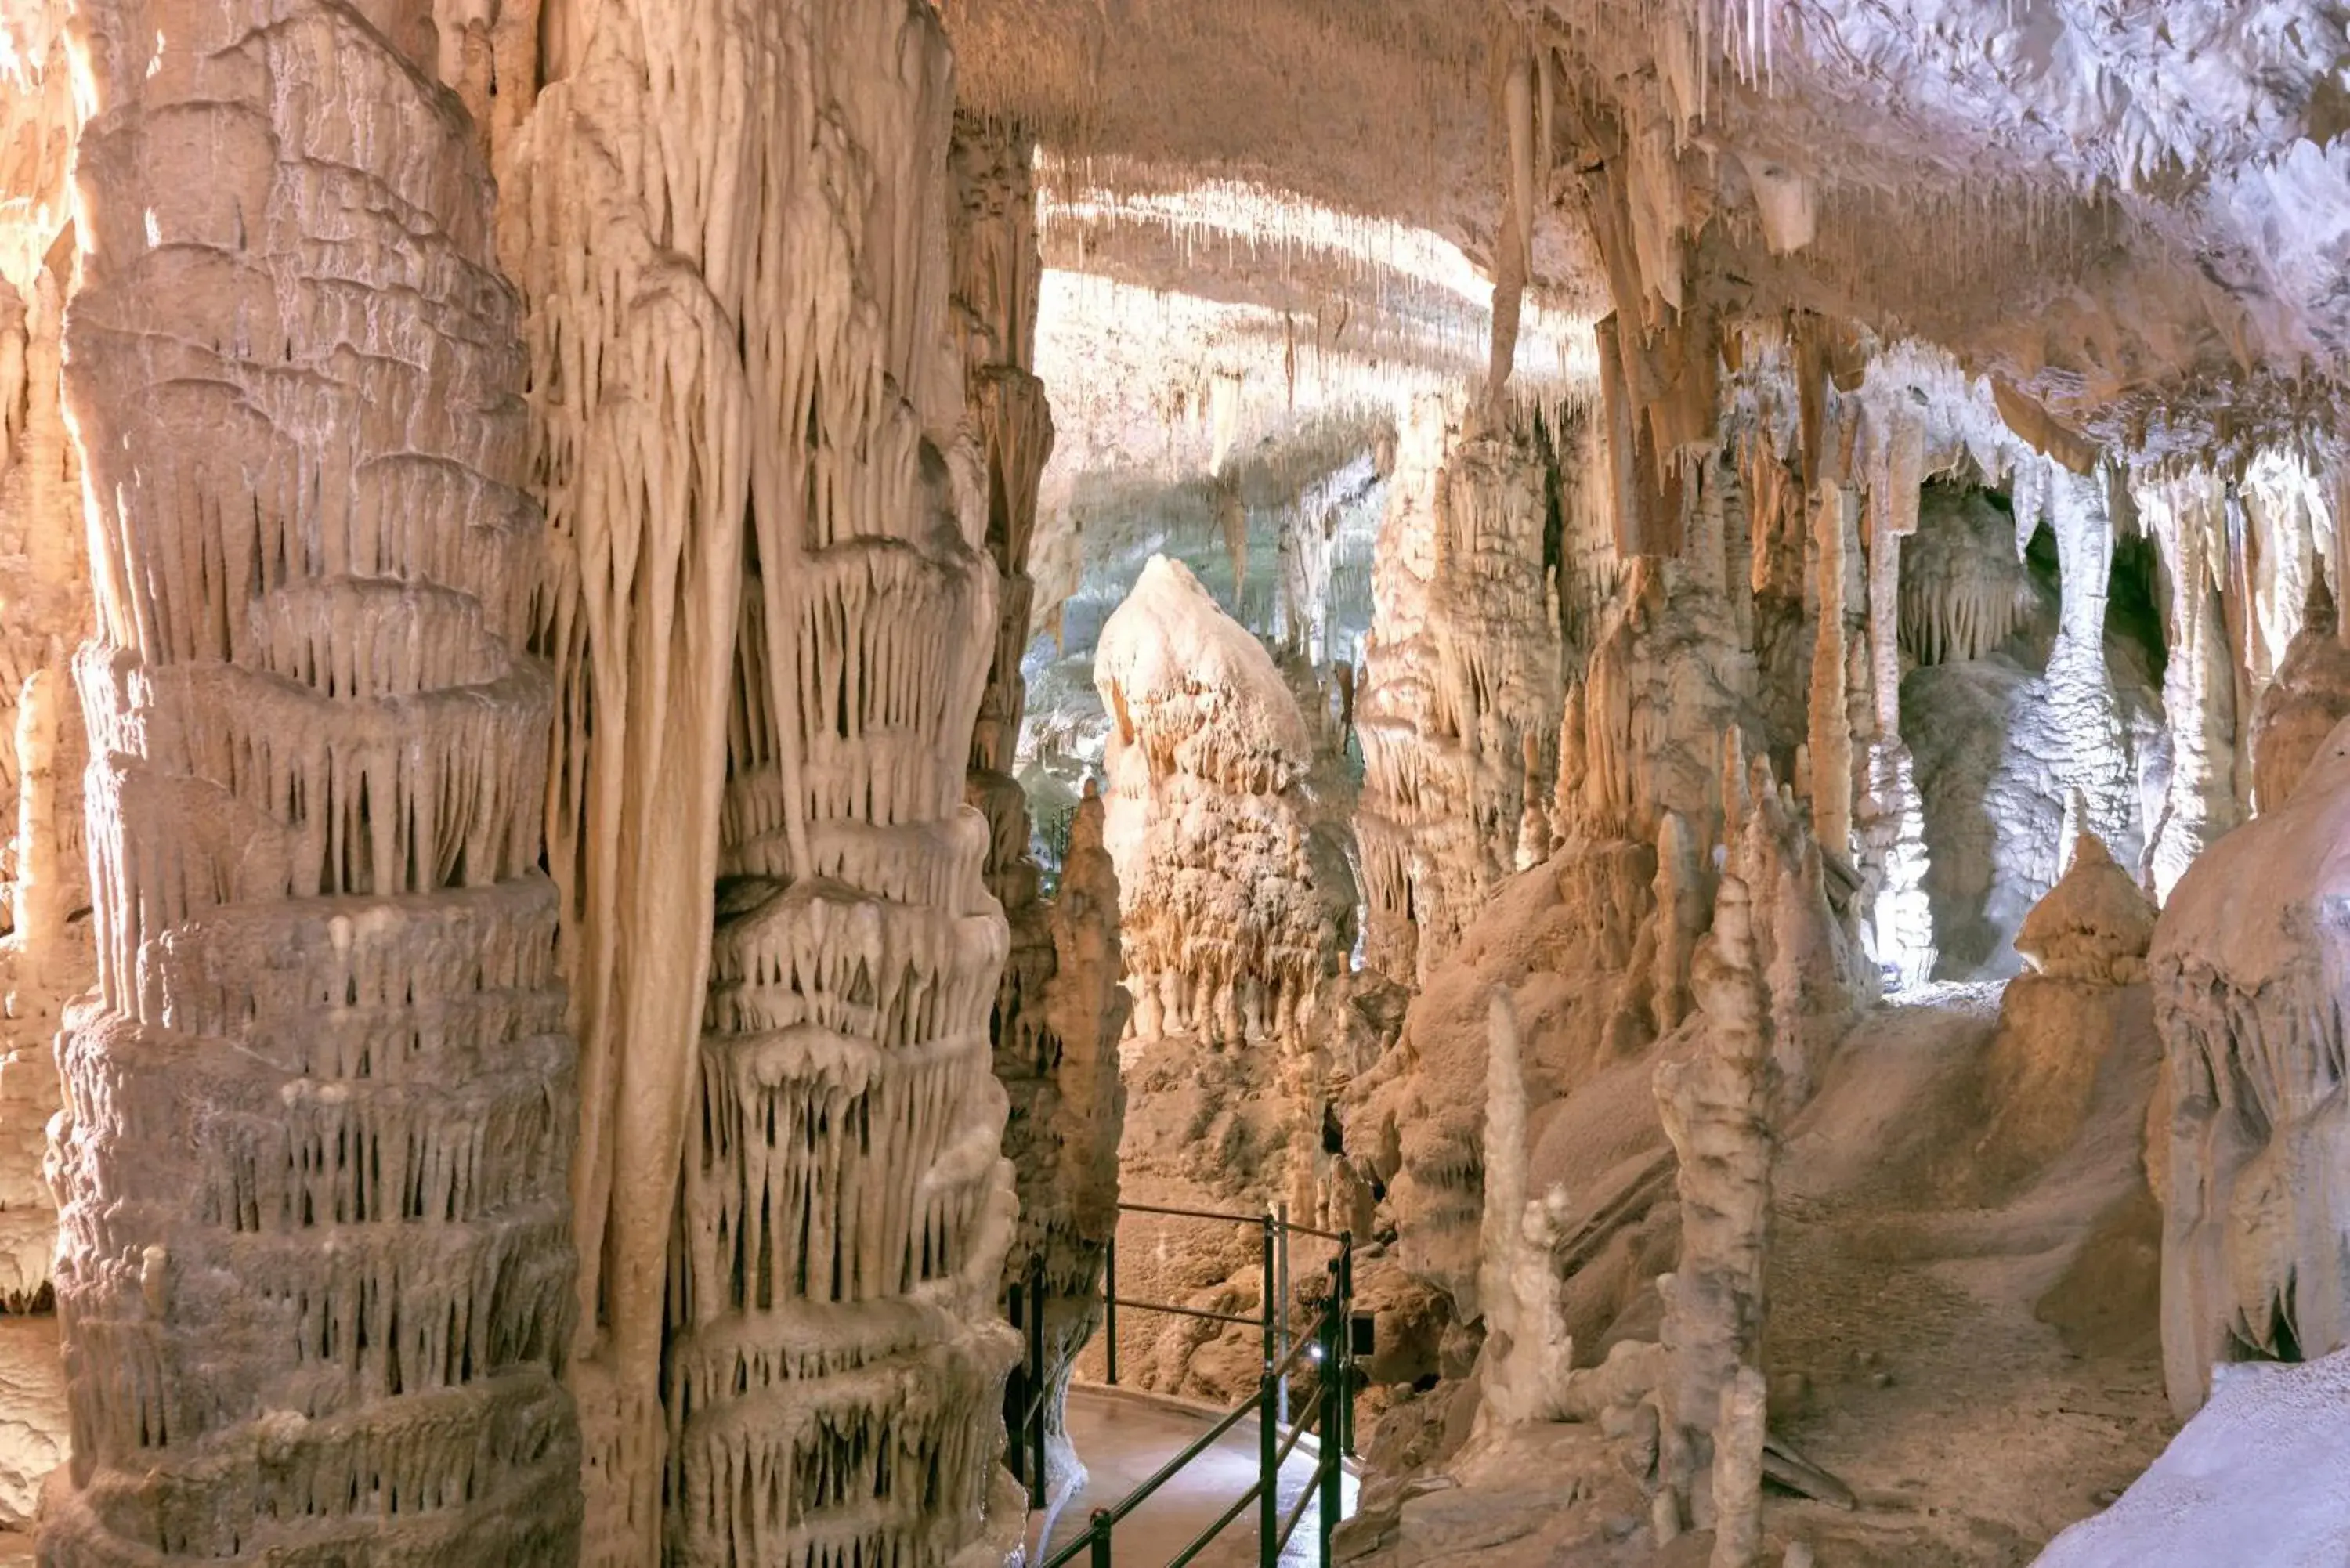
<point x="45" y="611"/>
<point x="1835" y="524"/>
<point x="316" y="1276"/>
<point x="1900" y="923"/>
<point x="1059" y="1009"/>
<point x="2080" y="688"/>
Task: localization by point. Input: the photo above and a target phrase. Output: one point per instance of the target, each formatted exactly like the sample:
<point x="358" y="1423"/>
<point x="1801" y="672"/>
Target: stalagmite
<point x="1682" y="913"/>
<point x="1717" y="1108"/>
<point x="1462" y="668"/>
<point x="2084" y="997"/>
<point x="2246" y="964"/>
<point x="316" y="1279"/>
<point x="2309" y="696"/>
<point x="1208" y="745"/>
<point x="1738" y="1435"/>
<point x="1528" y="1351"/>
<point x="1231" y="938"/>
<point x="1533" y="822"/>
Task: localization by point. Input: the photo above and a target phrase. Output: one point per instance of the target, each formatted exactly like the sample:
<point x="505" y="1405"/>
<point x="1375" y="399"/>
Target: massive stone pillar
<point x="316" y="1273"/>
<point x="771" y="616"/>
<point x="1463" y="664"/>
<point x="1059" y="1010"/>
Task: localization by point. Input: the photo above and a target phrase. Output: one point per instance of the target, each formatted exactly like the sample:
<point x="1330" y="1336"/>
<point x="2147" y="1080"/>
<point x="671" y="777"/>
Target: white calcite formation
<point x="315" y="1277"/>
<point x="2246" y="963"/>
<point x="2234" y="1486"/>
<point x="1462" y="668"/>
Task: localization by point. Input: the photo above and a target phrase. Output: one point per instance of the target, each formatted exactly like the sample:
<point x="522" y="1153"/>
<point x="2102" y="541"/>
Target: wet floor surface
<point x="1123" y="1440"/>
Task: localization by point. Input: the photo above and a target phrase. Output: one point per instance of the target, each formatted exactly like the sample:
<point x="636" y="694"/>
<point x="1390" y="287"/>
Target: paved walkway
<point x="1123" y="1440"/>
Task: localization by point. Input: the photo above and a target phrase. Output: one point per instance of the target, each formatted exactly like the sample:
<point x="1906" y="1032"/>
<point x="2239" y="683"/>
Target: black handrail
<point x="1331" y="1343"/>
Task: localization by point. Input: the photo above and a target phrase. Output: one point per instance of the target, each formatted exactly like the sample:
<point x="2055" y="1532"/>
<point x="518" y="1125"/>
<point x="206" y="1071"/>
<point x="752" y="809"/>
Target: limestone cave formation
<point x="702" y="708"/>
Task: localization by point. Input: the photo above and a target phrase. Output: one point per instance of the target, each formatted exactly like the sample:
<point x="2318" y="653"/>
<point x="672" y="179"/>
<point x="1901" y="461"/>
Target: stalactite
<point x="1899" y="919"/>
<point x="2203" y="798"/>
<point x="316" y="1279"/>
<point x="1831" y="726"/>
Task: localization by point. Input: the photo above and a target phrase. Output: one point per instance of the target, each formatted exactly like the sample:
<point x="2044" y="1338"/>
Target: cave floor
<point x="1123" y="1440"/>
<point x="1980" y="1367"/>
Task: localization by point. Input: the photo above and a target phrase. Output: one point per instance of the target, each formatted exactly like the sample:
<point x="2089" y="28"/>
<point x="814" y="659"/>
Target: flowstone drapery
<point x="2247" y="961"/>
<point x="771" y="619"/>
<point x="1462" y="668"/>
<point x="316" y="1276"/>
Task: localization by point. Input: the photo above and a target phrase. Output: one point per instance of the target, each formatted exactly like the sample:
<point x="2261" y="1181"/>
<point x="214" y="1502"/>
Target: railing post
<point x="1016" y="1451"/>
<point x="1268" y="1424"/>
<point x="1333" y="1415"/>
<point x="1345" y="1301"/>
<point x="1097" y="1546"/>
<point x="1109" y="1303"/>
<point x="1037" y="1380"/>
<point x="1280" y="1287"/>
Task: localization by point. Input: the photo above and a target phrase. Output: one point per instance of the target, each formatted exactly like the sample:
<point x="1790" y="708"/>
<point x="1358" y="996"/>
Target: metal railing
<point x="1336" y="1340"/>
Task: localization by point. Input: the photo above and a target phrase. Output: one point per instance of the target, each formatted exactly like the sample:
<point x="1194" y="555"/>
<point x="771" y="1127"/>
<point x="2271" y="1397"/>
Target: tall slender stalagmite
<point x="316" y="1275"/>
